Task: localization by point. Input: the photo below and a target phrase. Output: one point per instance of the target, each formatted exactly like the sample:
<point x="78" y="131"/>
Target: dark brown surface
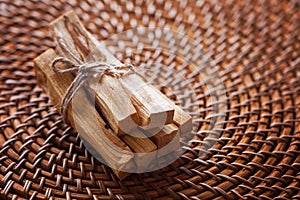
<point x="256" y="47"/>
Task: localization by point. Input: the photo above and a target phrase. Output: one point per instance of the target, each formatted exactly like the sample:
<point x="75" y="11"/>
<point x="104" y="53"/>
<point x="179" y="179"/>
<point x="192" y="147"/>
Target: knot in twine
<point x="84" y="72"/>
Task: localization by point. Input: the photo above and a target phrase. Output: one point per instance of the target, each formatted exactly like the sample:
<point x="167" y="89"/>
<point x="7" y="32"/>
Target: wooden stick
<point x="115" y="104"/>
<point x="55" y="84"/>
<point x="143" y="147"/>
<point x="167" y="140"/>
<point x="154" y="109"/>
<point x="160" y="138"/>
<point x="111" y="98"/>
<point x="183" y="121"/>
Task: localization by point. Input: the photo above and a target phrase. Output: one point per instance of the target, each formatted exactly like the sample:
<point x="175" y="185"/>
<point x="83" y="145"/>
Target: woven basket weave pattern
<point x="255" y="46"/>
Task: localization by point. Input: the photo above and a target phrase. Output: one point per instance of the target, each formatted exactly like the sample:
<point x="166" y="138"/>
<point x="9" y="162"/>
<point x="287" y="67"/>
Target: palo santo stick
<point x="183" y="121"/>
<point x="166" y="140"/>
<point x="56" y="85"/>
<point x="115" y="104"/>
<point x="143" y="147"/>
<point x="110" y="96"/>
<point x="165" y="135"/>
<point x="154" y="109"/>
<point x="172" y="149"/>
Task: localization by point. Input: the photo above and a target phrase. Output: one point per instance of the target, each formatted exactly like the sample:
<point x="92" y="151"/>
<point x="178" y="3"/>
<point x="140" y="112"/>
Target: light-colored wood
<point x="173" y="142"/>
<point x="115" y="104"/>
<point x="166" y="139"/>
<point x="154" y="109"/>
<point x="110" y="96"/>
<point x="119" y="156"/>
<point x="165" y="135"/>
<point x="183" y="121"/>
<point x="143" y="147"/>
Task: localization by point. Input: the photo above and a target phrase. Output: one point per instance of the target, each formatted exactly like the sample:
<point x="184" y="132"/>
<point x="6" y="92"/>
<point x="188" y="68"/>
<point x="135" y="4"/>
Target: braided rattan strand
<point x="255" y="45"/>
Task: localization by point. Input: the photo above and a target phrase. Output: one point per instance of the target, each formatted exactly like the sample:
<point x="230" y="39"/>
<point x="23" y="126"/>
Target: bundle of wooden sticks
<point x="132" y="115"/>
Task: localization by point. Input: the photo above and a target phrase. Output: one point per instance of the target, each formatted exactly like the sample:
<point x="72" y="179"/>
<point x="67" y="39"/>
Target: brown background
<point x="255" y="45"/>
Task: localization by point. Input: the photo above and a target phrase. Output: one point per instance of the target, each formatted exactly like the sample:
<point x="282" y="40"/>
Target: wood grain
<point x="184" y="121"/>
<point x="154" y="109"/>
<point x="143" y="147"/>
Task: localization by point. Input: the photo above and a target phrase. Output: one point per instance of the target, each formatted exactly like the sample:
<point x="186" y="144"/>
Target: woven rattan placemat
<point x="255" y="45"/>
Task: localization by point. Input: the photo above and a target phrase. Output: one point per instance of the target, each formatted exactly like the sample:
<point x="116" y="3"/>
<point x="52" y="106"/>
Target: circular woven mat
<point x="254" y="44"/>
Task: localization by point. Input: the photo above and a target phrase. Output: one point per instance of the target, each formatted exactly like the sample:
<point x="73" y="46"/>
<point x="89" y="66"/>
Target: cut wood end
<point x="172" y="146"/>
<point x="157" y="120"/>
<point x="143" y="148"/>
<point x="42" y="66"/>
<point x="54" y="84"/>
<point x="70" y="13"/>
<point x="153" y="108"/>
<point x="49" y="54"/>
<point x="183" y="120"/>
<point x="170" y="129"/>
<point x="121" y="174"/>
<point x="165" y="135"/>
<point x="126" y="125"/>
<point x="164" y="117"/>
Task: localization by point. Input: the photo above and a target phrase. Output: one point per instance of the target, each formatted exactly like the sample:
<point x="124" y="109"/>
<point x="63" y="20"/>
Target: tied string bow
<point x="84" y="72"/>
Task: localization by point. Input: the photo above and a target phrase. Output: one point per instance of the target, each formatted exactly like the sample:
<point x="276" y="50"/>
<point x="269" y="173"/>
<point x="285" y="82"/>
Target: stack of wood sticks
<point x="125" y="120"/>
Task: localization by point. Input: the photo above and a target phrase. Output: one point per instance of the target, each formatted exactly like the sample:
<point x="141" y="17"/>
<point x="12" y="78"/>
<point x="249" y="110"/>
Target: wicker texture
<point x="254" y="44"/>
